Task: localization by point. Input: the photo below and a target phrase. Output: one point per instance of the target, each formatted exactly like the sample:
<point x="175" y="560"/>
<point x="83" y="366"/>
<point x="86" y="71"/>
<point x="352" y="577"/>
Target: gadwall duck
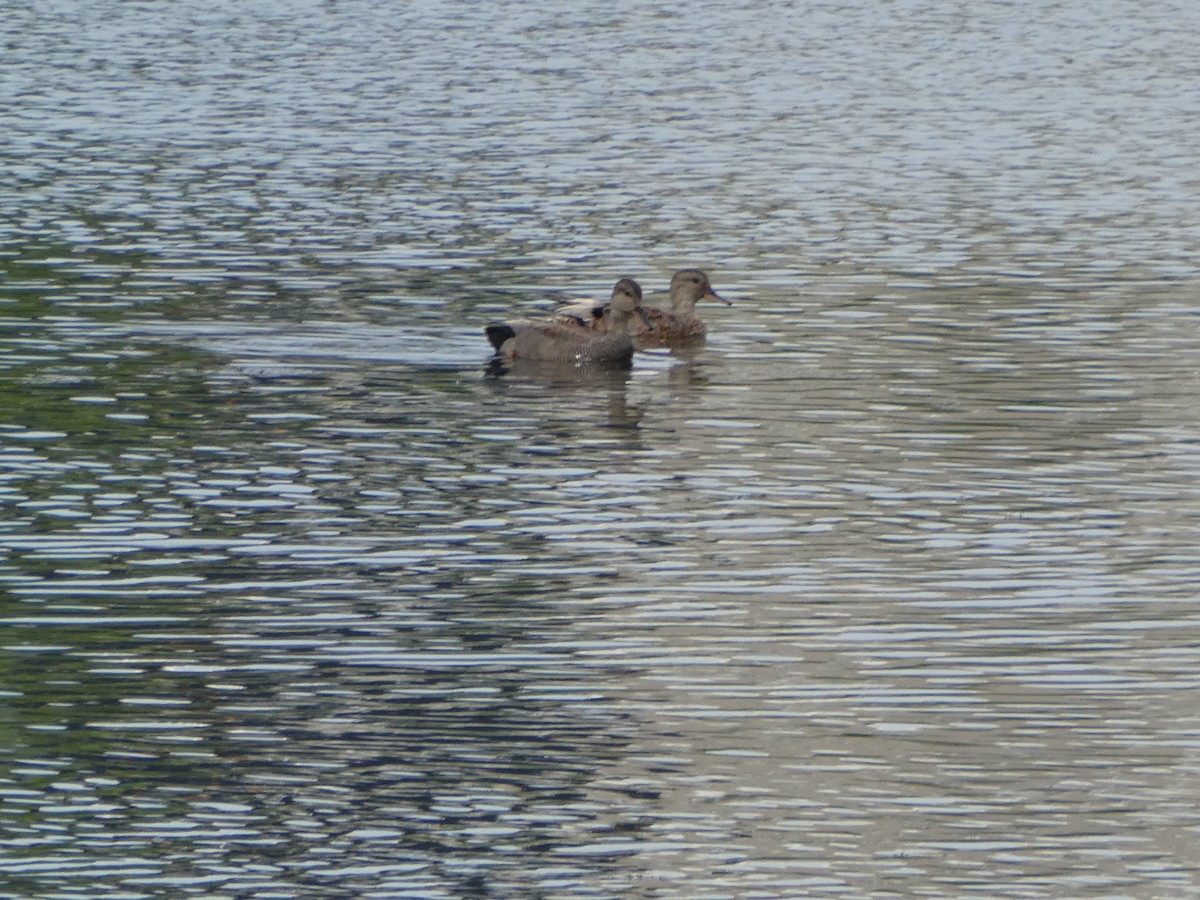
<point x="679" y="323"/>
<point x="555" y="341"/>
<point x="688" y="287"/>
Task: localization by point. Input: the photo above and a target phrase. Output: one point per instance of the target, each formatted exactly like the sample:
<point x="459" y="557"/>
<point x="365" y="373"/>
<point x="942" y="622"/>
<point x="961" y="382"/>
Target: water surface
<point x="887" y="591"/>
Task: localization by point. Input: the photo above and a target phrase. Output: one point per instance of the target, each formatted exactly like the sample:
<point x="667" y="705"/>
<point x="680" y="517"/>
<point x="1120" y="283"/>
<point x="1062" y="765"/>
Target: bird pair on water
<point x="604" y="333"/>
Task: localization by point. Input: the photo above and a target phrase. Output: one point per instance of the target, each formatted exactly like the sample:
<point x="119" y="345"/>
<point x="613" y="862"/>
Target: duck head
<point x="688" y="286"/>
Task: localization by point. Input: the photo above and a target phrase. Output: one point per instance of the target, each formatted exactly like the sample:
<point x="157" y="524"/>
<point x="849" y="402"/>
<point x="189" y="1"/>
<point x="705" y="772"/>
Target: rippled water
<point x="888" y="591"/>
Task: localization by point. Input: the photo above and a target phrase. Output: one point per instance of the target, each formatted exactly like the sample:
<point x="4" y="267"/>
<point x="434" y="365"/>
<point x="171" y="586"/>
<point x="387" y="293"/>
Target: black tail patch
<point x="498" y="333"/>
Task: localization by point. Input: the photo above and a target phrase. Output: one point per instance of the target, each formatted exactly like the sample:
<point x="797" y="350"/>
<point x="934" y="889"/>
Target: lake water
<point x="891" y="590"/>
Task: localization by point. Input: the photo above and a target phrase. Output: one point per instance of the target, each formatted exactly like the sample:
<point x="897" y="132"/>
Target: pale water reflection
<point x="889" y="590"/>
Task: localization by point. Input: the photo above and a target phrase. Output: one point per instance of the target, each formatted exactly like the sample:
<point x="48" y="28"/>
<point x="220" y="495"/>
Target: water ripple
<point x="887" y="589"/>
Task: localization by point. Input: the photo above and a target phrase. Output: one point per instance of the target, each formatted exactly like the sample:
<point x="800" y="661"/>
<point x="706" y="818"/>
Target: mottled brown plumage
<point x="556" y="341"/>
<point x="675" y="325"/>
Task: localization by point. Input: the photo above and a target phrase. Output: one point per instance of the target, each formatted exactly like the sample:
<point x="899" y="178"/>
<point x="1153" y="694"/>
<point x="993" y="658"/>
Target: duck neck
<point x="682" y="304"/>
<point x="618" y="322"/>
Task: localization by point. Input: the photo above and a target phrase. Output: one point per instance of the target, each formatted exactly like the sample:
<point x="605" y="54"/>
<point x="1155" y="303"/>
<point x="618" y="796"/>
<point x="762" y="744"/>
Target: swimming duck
<point x="556" y="341"/>
<point x="688" y="286"/>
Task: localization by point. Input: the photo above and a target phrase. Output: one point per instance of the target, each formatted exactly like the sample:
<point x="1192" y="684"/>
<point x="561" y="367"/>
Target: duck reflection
<point x="688" y="376"/>
<point x="569" y="384"/>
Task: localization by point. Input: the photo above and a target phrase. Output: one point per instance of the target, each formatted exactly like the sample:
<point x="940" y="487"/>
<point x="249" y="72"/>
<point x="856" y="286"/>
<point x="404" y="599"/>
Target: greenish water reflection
<point x="890" y="589"/>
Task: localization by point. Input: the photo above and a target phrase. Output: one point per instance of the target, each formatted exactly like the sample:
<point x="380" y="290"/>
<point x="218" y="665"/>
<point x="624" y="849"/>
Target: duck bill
<point x="645" y="318"/>
<point x="713" y="295"/>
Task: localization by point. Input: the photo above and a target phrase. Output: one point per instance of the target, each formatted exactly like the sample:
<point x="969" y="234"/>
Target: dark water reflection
<point x="889" y="590"/>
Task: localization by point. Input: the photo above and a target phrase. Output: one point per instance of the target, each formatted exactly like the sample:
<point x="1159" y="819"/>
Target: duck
<point x="657" y="326"/>
<point x="688" y="287"/>
<point x="557" y="341"/>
